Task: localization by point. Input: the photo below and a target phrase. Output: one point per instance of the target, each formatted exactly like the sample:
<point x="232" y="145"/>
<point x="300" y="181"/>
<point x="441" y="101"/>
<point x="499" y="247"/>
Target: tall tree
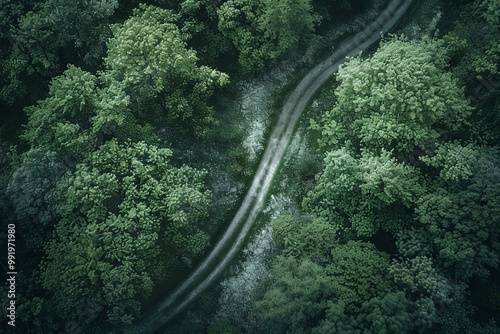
<point x="149" y="57"/>
<point x="43" y="38"/>
<point x="361" y="195"/>
<point x="127" y="216"/>
<point x="401" y="98"/>
<point x="81" y="112"/>
<point x="262" y="30"/>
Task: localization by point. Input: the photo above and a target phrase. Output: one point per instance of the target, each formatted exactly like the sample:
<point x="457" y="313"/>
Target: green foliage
<point x="336" y="320"/>
<point x="474" y="46"/>
<point x="81" y="112"/>
<point x="294" y="296"/>
<point x="239" y="159"/>
<point x="416" y="276"/>
<point x="394" y="99"/>
<point x="357" y="194"/>
<point x="454" y="160"/>
<point x="387" y="314"/>
<point x="462" y="219"/>
<point x="475" y="40"/>
<point x="6" y="171"/>
<point x="262" y="30"/>
<point x="127" y="215"/>
<point x="32" y="192"/>
<point x="200" y="26"/>
<point x="305" y="237"/>
<point x="77" y="114"/>
<point x="149" y="57"/>
<point x="222" y="326"/>
<point x="359" y="272"/>
<point x="458" y="317"/>
<point x="44" y="38"/>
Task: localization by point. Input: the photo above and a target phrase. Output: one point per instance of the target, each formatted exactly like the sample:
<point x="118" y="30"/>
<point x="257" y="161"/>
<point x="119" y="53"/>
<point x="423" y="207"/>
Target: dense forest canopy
<point x="398" y="228"/>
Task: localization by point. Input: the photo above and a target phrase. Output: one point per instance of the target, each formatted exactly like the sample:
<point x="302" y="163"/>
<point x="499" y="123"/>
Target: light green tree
<point x="149" y="57"/>
<point x="305" y="237"/>
<point x="81" y="112"/>
<point x="395" y="99"/>
<point x="357" y="194"/>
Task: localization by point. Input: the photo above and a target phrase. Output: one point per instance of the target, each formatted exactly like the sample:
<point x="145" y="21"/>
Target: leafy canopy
<point x="149" y="57"/>
<point x="361" y="195"/>
<point x="395" y="99"/>
<point x="261" y="30"/>
<point x="127" y="215"/>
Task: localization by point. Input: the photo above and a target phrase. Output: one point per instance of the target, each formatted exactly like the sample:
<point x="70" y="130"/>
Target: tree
<point x="359" y="272"/>
<point x="81" y="112"/>
<point x="43" y="38"/>
<point x="294" y="296"/>
<point x="474" y="47"/>
<point x="359" y="196"/>
<point x="305" y="237"/>
<point x="458" y="317"/>
<point x="417" y="276"/>
<point x="460" y="219"/>
<point x="263" y="30"/>
<point x="127" y="216"/>
<point x="63" y="119"/>
<point x="336" y="320"/>
<point x="222" y="326"/>
<point x="387" y="314"/>
<point x="149" y="57"/>
<point x="32" y="190"/>
<point x="455" y="162"/>
<point x="199" y="21"/>
<point x="395" y="100"/>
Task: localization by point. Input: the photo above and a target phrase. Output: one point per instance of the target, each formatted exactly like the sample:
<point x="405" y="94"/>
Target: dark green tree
<point x="474" y="47"/>
<point x="385" y="314"/>
<point x="262" y="30"/>
<point x="461" y="218"/>
<point x="458" y="317"/>
<point x="359" y="272"/>
<point x="127" y="216"/>
<point x="43" y="38"/>
<point x="32" y="191"/>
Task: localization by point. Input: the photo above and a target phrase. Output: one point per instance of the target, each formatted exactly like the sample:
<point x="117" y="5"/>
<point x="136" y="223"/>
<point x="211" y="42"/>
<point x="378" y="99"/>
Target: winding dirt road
<point x="232" y="241"/>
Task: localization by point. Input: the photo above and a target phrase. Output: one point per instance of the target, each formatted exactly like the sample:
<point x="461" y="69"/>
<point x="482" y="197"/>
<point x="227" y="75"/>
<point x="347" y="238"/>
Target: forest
<point x="130" y="132"/>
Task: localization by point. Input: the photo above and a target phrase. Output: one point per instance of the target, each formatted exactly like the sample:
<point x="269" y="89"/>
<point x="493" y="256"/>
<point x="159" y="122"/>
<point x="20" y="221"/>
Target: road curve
<point x="232" y="240"/>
